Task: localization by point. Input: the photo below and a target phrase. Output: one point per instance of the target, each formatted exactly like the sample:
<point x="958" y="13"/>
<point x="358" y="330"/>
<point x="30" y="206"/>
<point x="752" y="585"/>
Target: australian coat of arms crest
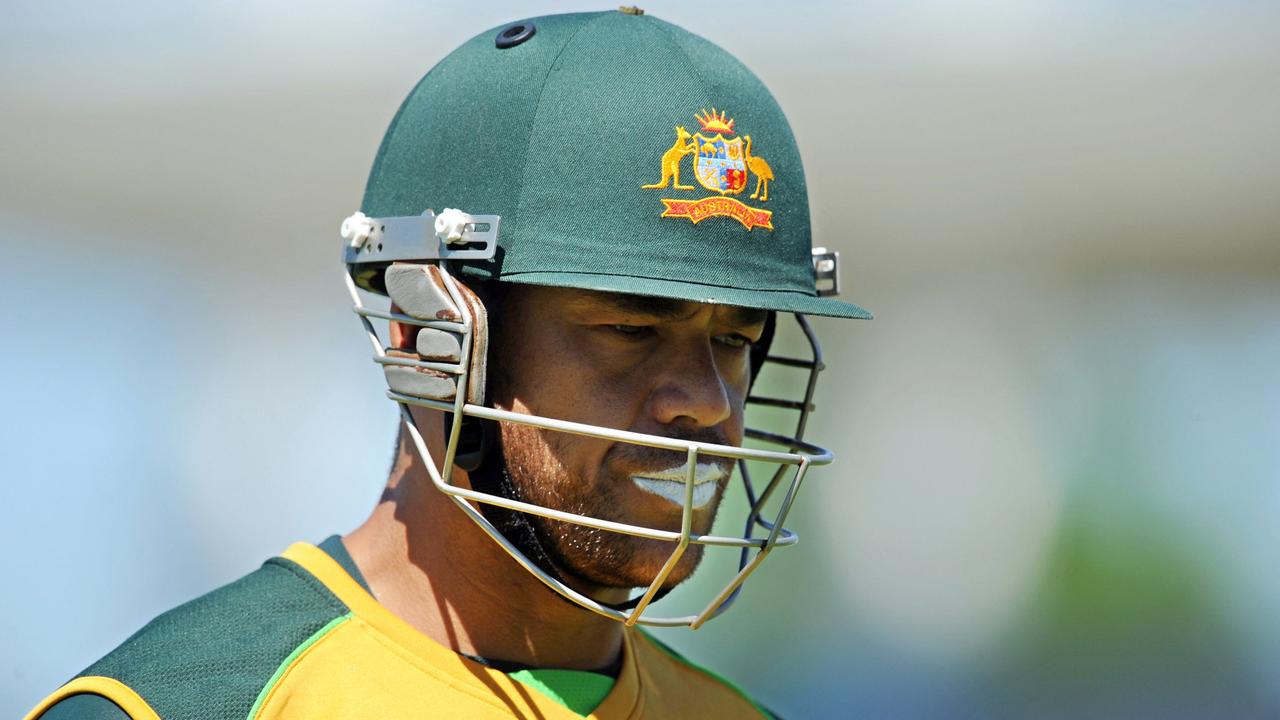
<point x="721" y="164"/>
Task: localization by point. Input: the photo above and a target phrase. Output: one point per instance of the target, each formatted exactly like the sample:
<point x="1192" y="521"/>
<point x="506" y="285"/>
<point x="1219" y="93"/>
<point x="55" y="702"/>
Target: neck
<point x="430" y="564"/>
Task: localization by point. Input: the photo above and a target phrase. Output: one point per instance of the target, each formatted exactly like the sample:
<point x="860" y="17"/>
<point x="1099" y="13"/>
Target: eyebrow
<point x="663" y="308"/>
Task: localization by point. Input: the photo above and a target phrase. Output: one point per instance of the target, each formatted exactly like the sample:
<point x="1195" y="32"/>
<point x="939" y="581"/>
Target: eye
<point x="734" y="340"/>
<point x="629" y="330"/>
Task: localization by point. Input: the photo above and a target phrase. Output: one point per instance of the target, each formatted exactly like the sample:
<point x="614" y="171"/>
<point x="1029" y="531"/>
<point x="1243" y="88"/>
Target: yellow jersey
<point x="302" y="637"/>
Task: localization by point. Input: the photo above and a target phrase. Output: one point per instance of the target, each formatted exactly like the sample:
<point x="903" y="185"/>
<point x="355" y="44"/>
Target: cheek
<point x="559" y="467"/>
<point x="583" y="397"/>
<point x="583" y="385"/>
<point x="554" y="469"/>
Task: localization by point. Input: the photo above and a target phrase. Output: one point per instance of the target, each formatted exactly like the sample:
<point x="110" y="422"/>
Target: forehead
<point x="658" y="308"/>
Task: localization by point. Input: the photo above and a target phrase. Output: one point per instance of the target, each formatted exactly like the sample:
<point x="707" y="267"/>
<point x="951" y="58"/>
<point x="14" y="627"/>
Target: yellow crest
<point x="722" y="164"/>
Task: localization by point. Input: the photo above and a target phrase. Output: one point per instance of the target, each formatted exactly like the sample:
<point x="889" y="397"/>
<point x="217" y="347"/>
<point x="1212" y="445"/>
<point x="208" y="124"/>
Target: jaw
<point x="615" y="561"/>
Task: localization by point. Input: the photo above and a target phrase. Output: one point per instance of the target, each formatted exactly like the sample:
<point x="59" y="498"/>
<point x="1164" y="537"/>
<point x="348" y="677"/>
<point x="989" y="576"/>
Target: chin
<point x="626" y="562"/>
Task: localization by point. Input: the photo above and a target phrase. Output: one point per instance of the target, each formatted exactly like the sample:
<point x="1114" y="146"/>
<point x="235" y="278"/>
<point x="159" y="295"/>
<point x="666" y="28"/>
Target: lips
<point x="669" y="484"/>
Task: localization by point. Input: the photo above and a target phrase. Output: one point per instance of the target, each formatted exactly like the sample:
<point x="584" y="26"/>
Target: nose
<point x="691" y="390"/>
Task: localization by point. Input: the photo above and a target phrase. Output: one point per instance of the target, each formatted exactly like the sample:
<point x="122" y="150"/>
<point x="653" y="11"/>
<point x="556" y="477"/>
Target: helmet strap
<point x="473" y="441"/>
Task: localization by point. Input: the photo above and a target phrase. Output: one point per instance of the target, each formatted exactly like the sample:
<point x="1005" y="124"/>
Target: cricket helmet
<point x="606" y="151"/>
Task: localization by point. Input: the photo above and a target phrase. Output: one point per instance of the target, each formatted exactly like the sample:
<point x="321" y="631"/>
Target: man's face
<point x="657" y="366"/>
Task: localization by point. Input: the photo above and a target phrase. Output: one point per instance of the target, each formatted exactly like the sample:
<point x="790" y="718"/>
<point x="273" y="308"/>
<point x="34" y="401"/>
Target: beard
<point x="528" y="467"/>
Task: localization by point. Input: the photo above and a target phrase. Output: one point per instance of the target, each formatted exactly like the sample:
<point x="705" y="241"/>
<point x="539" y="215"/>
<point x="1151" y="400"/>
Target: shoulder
<point x="212" y="656"/>
<point x="674" y="674"/>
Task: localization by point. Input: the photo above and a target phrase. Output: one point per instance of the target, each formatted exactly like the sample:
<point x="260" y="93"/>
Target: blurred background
<point x="1058" y="485"/>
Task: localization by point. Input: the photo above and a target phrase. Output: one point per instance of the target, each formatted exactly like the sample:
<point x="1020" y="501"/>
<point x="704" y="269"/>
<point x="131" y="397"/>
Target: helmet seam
<point x="664" y="28"/>
<point x="537" y="108"/>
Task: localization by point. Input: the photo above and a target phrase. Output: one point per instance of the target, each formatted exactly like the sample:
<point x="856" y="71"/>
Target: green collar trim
<point x="580" y="691"/>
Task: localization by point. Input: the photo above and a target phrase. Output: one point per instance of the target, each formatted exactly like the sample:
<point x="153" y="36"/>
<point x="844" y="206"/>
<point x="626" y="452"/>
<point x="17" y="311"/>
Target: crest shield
<point x="720" y="165"/>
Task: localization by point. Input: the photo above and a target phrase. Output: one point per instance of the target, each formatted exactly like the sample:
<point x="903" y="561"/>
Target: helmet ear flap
<point x="760" y="348"/>
<point x="424" y="292"/>
<point x="474" y="434"/>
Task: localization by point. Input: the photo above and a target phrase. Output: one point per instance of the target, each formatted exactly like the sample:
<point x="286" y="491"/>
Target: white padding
<point x="420" y="382"/>
<point x="438" y="345"/>
<point x="419" y="292"/>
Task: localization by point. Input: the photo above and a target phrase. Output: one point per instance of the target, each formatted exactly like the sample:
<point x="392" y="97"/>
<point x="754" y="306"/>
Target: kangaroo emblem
<point x="671" y="161"/>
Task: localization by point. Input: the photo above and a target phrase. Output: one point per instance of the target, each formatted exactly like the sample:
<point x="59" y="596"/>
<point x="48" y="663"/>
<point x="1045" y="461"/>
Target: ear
<point x="402" y="335"/>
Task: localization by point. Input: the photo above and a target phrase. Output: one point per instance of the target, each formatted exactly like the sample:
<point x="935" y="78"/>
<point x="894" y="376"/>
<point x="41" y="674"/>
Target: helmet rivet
<point x="513" y="35"/>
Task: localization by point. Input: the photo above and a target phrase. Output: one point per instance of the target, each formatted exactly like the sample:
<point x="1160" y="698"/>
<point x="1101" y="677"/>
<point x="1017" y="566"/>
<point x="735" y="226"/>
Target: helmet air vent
<point x="513" y="35"/>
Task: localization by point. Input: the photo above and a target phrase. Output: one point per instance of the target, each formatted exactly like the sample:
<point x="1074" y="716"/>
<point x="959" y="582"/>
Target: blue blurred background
<point x="1058" y="492"/>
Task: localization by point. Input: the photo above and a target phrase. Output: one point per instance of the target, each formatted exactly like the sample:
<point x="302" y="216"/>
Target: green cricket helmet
<point x="605" y="151"/>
